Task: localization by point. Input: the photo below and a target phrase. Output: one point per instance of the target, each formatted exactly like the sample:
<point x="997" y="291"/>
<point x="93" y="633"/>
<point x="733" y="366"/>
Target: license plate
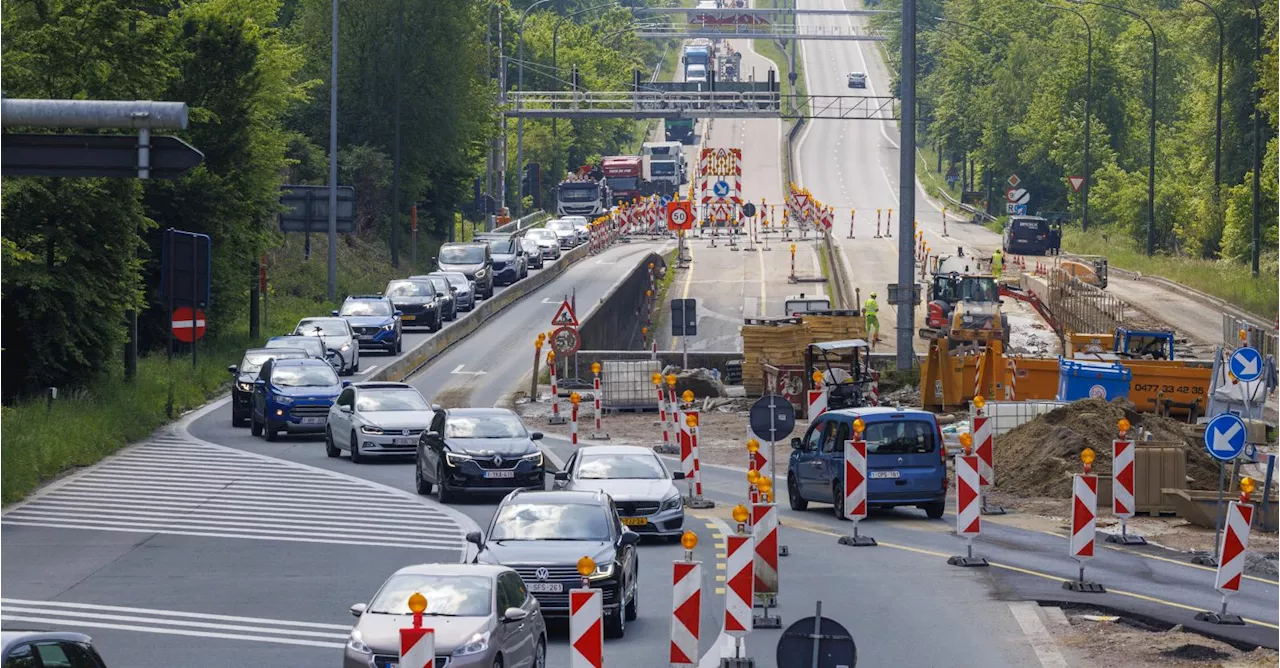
<point x="390" y="664"/>
<point x="885" y="474"/>
<point x="312" y="420"/>
<point x="365" y="337"/>
<point x="545" y="587"/>
<point x="635" y="521"/>
<point x="499" y="474"/>
<point x="408" y="440"/>
<point x="408" y="317"/>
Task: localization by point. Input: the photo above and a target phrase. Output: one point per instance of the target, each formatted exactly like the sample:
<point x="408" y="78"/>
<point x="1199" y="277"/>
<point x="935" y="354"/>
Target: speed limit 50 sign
<point x="679" y="215"/>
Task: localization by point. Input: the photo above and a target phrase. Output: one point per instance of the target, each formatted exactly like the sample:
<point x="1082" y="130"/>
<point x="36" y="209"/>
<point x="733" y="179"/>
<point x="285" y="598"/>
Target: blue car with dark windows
<point x="906" y="460"/>
<point x="293" y="396"/>
<point x="375" y="321"/>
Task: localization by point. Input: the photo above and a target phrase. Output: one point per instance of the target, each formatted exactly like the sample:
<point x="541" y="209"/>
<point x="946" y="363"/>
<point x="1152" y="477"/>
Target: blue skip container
<point x="1092" y="380"/>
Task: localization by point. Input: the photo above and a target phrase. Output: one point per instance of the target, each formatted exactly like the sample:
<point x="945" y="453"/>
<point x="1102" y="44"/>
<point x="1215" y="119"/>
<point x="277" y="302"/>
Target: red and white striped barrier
<point x="1084" y="516"/>
<point x="817" y="403"/>
<point x="982" y="449"/>
<point x="758" y="460"/>
<point x="1231" y="551"/>
<point x="875" y="387"/>
<point x="739" y="591"/>
<point x="662" y="414"/>
<point x="968" y="504"/>
<point x="573" y="422"/>
<point x="555" y="391"/>
<point x="586" y="629"/>
<point x="595" y="385"/>
<point x="764" y="533"/>
<point x="1011" y="384"/>
<point x="855" y="489"/>
<point x="1122" y="487"/>
<point x="686" y="447"/>
<point x="417" y="648"/>
<point x="686" y="613"/>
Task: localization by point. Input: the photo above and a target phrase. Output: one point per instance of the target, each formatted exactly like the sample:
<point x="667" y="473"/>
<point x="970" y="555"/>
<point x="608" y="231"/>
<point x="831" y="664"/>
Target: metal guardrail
<point x="1261" y="338"/>
<point x="708" y="104"/>
<point x="522" y="223"/>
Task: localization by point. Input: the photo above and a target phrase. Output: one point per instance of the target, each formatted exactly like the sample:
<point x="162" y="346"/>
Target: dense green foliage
<point x="1008" y="91"/>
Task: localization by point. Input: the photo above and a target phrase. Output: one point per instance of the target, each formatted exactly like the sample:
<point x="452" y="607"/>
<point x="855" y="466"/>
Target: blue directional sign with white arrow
<point x="721" y="188"/>
<point x="1246" y="364"/>
<point x="1224" y="437"/>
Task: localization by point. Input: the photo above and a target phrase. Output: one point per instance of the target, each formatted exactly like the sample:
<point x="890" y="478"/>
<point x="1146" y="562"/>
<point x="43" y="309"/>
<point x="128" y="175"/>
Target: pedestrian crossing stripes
<point x="87" y="616"/>
<point x="175" y="486"/>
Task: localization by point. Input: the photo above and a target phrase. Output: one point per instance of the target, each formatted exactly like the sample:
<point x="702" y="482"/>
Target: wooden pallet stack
<point x="835" y="327"/>
<point x="773" y="341"/>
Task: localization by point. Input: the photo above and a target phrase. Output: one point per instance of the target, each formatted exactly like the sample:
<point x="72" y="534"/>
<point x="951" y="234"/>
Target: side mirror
<point x="333" y="313"/>
<point x="475" y="538"/>
<point x="514" y="614"/>
<point x="431" y="434"/>
<point x="453" y="289"/>
<point x="795" y="443"/>
<point x="346" y="383"/>
<point x="677" y="475"/>
<point x="232" y="369"/>
<point x="536" y="436"/>
<point x="562" y="476"/>
<point x="397" y="312"/>
<point x="630" y="537"/>
<point x="436" y="407"/>
<point x="358" y="609"/>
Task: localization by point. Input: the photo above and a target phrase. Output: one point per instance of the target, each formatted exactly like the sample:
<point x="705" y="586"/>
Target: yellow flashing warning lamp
<point x="650" y="266"/>
<point x="648" y="293"/>
<point x="417" y="603"/>
<point x="687" y="396"/>
<point x="586" y="566"/>
<point x="979" y="401"/>
<point x="691" y="420"/>
<point x="1123" y="425"/>
<point x="793" y="249"/>
<point x="575" y="398"/>
<point x="859" y="426"/>
<point x="671" y="379"/>
<point x="1246" y="488"/>
<point x="656" y="378"/>
<point x="595" y="368"/>
<point x="817" y="377"/>
<point x="765" y="485"/>
<point x="966" y="442"/>
<point x="740" y="513"/>
<point x="645" y="331"/>
<point x="689" y="540"/>
<point x="1087" y="456"/>
<point x="551" y="357"/>
<point x="753" y="476"/>
<point x="753" y="446"/>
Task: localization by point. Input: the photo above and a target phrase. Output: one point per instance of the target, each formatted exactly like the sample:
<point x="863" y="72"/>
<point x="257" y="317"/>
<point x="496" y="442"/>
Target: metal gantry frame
<point x="706" y="104"/>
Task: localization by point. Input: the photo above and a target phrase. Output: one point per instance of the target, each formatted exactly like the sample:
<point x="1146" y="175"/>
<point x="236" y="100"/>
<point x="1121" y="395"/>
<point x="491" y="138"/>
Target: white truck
<point x="664" y="151"/>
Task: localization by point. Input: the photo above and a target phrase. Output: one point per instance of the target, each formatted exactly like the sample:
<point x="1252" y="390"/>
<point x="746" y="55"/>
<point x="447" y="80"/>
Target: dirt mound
<point x="1039" y="457"/>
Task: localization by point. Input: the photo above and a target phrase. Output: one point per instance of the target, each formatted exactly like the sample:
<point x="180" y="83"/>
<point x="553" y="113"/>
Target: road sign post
<point x="1224" y="439"/>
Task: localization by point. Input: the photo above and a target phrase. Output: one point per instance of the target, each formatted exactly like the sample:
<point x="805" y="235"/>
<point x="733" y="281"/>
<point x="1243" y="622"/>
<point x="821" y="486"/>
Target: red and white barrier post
<point x="689" y="438"/>
<point x="764" y="533"/>
<point x="1231" y="552"/>
<point x="852" y="213"/>
<point x="586" y="621"/>
<point x="574" y="400"/>
<point x="1084" y="522"/>
<point x="686" y="607"/>
<point x="599" y="434"/>
<point x="968" y="503"/>
<point x="662" y="412"/>
<point x="983" y="448"/>
<point x="556" y="417"/>
<point x="673" y="415"/>
<point x="877" y="223"/>
<point x="817" y="397"/>
<point x="855" y="486"/>
<point x="739" y="591"/>
<point x="888" y="224"/>
<point x="1122" y="487"/>
<point x="944" y="222"/>
<point x="417" y="645"/>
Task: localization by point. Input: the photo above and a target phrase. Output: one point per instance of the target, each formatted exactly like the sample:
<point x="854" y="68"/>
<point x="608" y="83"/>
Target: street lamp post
<point x="520" y="119"/>
<point x="1151" y="152"/>
<point x="1217" y="131"/>
<point x="333" y="158"/>
<point x="1088" y="99"/>
<point x="1257" y="136"/>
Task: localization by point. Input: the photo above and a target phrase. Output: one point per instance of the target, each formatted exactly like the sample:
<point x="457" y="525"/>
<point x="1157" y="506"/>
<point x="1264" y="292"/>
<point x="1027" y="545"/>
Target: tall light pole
<point x="333" y="158"/>
<point x="520" y="119"/>
<point x="1151" y="153"/>
<point x="395" y="169"/>
<point x="1257" y="135"/>
<point x="1217" y="130"/>
<point x="905" y="300"/>
<point x="1088" y="99"/>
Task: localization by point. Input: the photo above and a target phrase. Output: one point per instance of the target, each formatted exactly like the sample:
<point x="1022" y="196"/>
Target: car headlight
<point x="455" y="459"/>
<point x="535" y="457"/>
<point x="602" y="571"/>
<point x="389" y="327"/>
<point x="282" y="399"/>
<point x="244" y="387"/>
<point x="345" y="347"/>
<point x="355" y="643"/>
<point x="480" y="273"/>
<point x="673" y="502"/>
<point x="474" y="645"/>
<point x="370" y="429"/>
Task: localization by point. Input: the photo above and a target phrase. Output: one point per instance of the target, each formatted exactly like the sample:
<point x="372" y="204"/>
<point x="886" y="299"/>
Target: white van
<point x="798" y="305"/>
<point x="667" y="150"/>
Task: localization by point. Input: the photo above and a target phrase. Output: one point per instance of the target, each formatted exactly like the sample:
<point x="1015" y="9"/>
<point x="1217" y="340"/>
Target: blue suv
<point x="375" y="321"/>
<point x="906" y="460"/>
<point x="293" y="396"/>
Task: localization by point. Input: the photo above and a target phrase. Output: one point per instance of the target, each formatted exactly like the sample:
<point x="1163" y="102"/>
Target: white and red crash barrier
<point x="686" y="613"/>
<point x="1084" y="515"/>
<point x="764" y="533"/>
<point x="1122" y="479"/>
<point x="662" y="414"/>
<point x="689" y="457"/>
<point x="1231" y="551"/>
<point x="555" y="391"/>
<point x="739" y="591"/>
<point x="417" y="648"/>
<point x="982" y="448"/>
<point x="968" y="501"/>
<point x="875" y="387"/>
<point x="817" y="403"/>
<point x="855" y="482"/>
<point x="685" y="434"/>
<point x="586" y="628"/>
<point x="1011" y="380"/>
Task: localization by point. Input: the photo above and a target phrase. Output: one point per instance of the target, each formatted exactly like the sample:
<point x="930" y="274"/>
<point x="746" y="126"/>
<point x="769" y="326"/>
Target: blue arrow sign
<point x="1246" y="364"/>
<point x="1224" y="437"/>
<point x="721" y="188"/>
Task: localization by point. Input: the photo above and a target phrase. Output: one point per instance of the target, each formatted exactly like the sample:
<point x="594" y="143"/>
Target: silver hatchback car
<point x="482" y="615"/>
<point x="641" y="487"/>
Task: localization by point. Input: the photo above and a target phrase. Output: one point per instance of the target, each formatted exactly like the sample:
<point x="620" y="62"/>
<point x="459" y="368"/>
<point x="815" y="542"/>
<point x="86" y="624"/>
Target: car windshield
<point x="624" y="182"/>
<point x="406" y="399"/>
<point x="580" y="193"/>
<point x="311" y="345"/>
<point x="459" y="280"/>
<point x="447" y="595"/>
<point x="303" y="376"/>
<point x="484" y="426"/>
<point x="504" y="247"/>
<point x="409" y="289"/>
<point x="546" y="235"/>
<point x="462" y="255"/>
<point x="973" y="289"/>
<point x="366" y="307"/>
<point x="441" y="283"/>
<point x="252" y="362"/>
<point x="662" y="168"/>
<point x="323" y="327"/>
<point x="546" y="521"/>
<point x="900" y="437"/>
<point x="635" y="467"/>
<point x="563" y="225"/>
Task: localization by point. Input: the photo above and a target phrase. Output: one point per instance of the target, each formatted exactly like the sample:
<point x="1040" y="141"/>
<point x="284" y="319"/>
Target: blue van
<point x="906" y="462"/>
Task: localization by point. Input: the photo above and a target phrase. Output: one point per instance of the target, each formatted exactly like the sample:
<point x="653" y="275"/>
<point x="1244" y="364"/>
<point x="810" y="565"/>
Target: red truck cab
<point x="624" y="174"/>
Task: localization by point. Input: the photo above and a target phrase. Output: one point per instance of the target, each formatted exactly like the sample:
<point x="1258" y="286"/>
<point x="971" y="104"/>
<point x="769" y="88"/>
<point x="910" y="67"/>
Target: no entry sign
<point x="186" y="327"/>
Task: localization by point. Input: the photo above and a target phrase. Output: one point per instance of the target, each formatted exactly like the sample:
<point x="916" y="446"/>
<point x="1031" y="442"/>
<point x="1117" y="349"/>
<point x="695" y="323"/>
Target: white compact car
<point x="377" y="420"/>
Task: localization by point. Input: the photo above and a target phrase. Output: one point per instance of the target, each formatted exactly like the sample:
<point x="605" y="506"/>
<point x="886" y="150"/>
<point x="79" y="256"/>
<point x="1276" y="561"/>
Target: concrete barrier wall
<point x="466" y="324"/>
<point x="615" y="322"/>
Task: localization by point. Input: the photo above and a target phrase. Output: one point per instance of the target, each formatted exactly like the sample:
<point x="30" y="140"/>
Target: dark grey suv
<point x="473" y="259"/>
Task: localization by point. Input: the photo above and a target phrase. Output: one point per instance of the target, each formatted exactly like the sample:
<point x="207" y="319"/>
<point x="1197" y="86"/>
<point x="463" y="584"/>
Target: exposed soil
<point x="1128" y="643"/>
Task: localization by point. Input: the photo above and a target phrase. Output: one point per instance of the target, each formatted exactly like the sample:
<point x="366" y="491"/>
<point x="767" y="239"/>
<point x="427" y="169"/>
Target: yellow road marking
<point x="721" y="546"/>
<point x="719" y="591"/>
<point x="720" y="578"/>
<point x="720" y="566"/>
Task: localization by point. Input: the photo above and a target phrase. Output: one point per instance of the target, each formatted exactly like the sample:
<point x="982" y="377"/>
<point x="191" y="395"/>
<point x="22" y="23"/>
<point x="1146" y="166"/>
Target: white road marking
<point x="174" y="632"/>
<point x="458" y="370"/>
<point x="179" y="487"/>
<point x="1041" y="641"/>
<point x="723" y="647"/>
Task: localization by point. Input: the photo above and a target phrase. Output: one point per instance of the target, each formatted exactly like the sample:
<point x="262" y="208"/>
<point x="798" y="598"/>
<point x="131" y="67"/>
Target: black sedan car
<point x="418" y="301"/>
<point x="448" y="294"/>
<point x="542" y="535"/>
<point x="477" y="450"/>
<point x="247" y="371"/>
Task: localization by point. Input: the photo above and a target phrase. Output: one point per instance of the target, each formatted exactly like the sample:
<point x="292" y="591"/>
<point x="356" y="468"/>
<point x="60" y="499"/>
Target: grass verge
<point x="1229" y="281"/>
<point x="87" y="424"/>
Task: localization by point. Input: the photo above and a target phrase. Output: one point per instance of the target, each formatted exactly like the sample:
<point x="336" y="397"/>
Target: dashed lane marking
<point x="176" y="486"/>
